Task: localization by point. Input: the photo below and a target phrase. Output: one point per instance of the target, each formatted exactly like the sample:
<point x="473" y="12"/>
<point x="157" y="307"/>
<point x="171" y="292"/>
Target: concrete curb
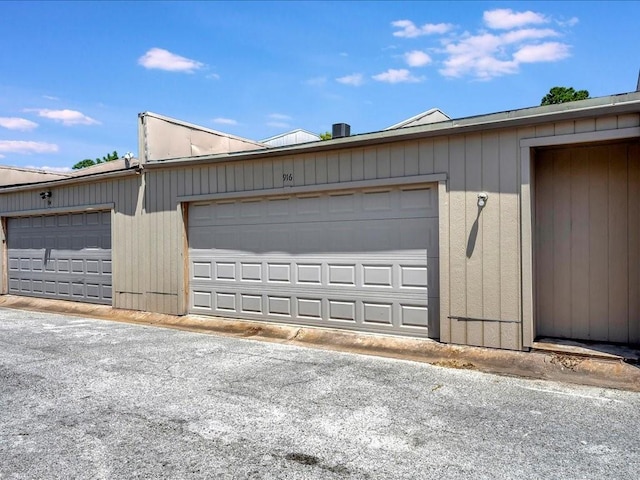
<point x="562" y="367"/>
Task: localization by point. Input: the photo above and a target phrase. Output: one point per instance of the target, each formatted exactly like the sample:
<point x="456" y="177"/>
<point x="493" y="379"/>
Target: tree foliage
<point x="325" y="136"/>
<point x="87" y="162"/>
<point x="563" y="95"/>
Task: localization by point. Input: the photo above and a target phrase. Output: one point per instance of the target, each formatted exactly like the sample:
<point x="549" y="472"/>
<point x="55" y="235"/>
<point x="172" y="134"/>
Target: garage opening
<point x="361" y="260"/>
<point x="66" y="257"/>
<point x="587" y="242"/>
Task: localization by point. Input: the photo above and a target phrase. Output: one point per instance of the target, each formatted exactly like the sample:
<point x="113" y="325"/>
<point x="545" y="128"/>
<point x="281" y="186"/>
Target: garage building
<point x="493" y="230"/>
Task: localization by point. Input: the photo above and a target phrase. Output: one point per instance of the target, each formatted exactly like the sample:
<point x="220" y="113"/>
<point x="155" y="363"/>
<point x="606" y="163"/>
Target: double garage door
<point x="66" y="257"/>
<point x="363" y="260"/>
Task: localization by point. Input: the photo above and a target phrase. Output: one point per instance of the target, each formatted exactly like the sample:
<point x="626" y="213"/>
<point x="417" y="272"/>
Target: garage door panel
<point x="225" y="301"/>
<point x="37" y="286"/>
<point x="377" y="313"/>
<point x="106" y="267"/>
<point x="278" y="272"/>
<point x="201" y="300"/>
<point x="251" y="303"/>
<point x="61" y="256"/>
<point x="358" y="260"/>
<point x="384" y="273"/>
<point x="202" y="270"/>
<point x="107" y="290"/>
<point x="317" y="209"/>
<point x="310" y="308"/>
<point x="414" y="316"/>
<point x="334" y="310"/>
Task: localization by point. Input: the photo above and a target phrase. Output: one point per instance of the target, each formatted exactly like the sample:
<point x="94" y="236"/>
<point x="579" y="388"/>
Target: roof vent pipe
<point x="339" y="130"/>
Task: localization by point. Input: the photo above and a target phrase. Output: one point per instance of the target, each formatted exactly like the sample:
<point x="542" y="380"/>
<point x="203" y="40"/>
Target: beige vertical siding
<point x="483" y="280"/>
<point x="480" y="282"/>
<point x="587" y="243"/>
<point x="128" y="236"/>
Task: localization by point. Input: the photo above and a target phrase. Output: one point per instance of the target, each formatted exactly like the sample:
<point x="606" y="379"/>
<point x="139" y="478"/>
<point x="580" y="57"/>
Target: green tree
<point x="563" y="95"/>
<point x="87" y="162"/>
<point x="325" y="136"/>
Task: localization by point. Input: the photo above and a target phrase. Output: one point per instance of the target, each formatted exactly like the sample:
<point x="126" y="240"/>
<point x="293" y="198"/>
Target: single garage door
<point x="362" y="260"/>
<point x="67" y="257"/>
<point x="587" y="238"/>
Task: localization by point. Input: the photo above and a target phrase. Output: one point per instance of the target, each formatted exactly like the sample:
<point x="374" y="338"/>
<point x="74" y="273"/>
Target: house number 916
<point x="287" y="177"/>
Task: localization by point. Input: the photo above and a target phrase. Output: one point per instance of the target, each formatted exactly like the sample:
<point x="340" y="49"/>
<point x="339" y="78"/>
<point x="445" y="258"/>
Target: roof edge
<point x="615" y="104"/>
<point x="71" y="180"/>
<point x="198" y="127"/>
<point x="417" y="117"/>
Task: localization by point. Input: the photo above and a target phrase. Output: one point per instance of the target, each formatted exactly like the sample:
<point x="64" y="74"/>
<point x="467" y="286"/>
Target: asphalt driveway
<point x="86" y="398"/>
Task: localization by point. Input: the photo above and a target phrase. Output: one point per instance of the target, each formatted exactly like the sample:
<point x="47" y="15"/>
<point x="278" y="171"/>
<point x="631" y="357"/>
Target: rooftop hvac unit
<point x="340" y="130"/>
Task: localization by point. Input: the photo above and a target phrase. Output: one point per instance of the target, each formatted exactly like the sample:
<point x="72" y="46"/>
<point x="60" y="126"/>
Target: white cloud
<point x="417" y="58"/>
<point x="15" y="123"/>
<point x="278" y="124"/>
<point x="505" y="18"/>
<point x="49" y="97"/>
<point x="568" y="23"/>
<point x="161" y="59"/>
<point x="544" y="52"/>
<point x="516" y="36"/>
<point x="355" y="79"/>
<point x="225" y="121"/>
<point x="344" y="54"/>
<point x="26" y="147"/>
<point x="397" y="76"/>
<point x="488" y="55"/>
<point x="279" y="116"/>
<point x="213" y="76"/>
<point x="408" y="29"/>
<point x="66" y="117"/>
<point x="508" y="40"/>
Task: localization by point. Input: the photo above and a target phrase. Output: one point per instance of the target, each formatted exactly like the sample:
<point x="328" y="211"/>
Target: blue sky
<point x="74" y="75"/>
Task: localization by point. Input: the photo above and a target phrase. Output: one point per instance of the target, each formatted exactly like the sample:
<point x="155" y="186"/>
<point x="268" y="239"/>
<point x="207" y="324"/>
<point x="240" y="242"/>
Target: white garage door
<point x="362" y="260"/>
<point x="67" y="257"/>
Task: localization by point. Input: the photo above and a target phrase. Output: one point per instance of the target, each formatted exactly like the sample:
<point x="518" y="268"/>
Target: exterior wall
<point x="480" y="279"/>
<point x="168" y="138"/>
<point x="481" y="251"/>
<point x="128" y="238"/>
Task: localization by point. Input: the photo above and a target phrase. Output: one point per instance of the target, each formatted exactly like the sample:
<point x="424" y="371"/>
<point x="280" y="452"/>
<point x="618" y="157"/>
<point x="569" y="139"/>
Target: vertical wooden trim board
<point x="4" y="288"/>
<point x="528" y="320"/>
<point x="183" y="273"/>
<point x="444" y="330"/>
